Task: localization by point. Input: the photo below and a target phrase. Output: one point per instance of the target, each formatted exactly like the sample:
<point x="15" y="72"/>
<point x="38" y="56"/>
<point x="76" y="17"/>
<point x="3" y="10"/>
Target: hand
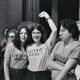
<point x="50" y="68"/>
<point x="44" y="14"/>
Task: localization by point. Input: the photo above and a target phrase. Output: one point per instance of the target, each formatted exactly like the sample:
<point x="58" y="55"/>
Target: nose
<point x="23" y="35"/>
<point x="60" y="33"/>
<point x="35" y="34"/>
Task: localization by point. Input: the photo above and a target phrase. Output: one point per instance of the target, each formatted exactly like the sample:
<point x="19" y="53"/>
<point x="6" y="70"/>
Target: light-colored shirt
<point x="38" y="57"/>
<point x="17" y="58"/>
<point x="62" y="54"/>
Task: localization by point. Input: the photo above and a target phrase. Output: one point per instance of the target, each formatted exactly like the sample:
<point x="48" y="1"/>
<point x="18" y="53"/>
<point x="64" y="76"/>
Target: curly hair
<point x="17" y="41"/>
<point x="71" y="26"/>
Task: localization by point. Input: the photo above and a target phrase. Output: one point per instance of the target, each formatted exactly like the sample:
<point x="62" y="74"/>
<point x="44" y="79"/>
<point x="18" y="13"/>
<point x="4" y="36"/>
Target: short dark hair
<point x="71" y="26"/>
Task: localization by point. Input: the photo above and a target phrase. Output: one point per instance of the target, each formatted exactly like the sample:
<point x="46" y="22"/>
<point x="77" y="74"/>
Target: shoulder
<point x="59" y="43"/>
<point x="10" y="45"/>
<point x="29" y="46"/>
<point x="76" y="44"/>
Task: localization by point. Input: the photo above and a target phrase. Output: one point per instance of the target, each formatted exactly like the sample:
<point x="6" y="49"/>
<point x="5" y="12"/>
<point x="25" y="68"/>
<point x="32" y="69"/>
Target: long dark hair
<point x="17" y="42"/>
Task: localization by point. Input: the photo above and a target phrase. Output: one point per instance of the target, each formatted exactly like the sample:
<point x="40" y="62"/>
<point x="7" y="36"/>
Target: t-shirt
<point x="38" y="56"/>
<point x="17" y="58"/>
<point x="62" y="54"/>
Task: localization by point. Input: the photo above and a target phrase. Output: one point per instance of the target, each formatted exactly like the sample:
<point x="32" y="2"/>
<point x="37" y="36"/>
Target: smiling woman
<point x="39" y="50"/>
<point x="15" y="62"/>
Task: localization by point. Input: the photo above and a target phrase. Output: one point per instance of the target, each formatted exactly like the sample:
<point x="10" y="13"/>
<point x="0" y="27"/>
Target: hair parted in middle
<point x="17" y="41"/>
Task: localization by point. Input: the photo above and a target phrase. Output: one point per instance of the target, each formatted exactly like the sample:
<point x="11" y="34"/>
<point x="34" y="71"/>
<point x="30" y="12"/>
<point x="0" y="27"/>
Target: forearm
<point x="51" y="24"/>
<point x="54" y="65"/>
<point x="48" y="19"/>
<point x="67" y="68"/>
<point x="6" y="71"/>
<point x="62" y="74"/>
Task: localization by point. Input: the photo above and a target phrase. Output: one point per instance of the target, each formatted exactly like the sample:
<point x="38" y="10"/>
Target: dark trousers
<point x="2" y="75"/>
<point x="17" y="74"/>
<point x="39" y="75"/>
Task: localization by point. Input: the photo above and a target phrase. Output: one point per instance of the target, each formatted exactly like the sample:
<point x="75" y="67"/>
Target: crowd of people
<point x="25" y="55"/>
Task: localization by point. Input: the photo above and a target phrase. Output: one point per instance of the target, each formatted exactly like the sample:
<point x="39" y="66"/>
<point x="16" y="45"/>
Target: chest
<point x="36" y="52"/>
<point x="63" y="53"/>
<point x="18" y="55"/>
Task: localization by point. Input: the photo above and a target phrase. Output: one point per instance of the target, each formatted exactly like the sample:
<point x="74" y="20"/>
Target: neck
<point x="22" y="48"/>
<point x="68" y="41"/>
<point x="37" y="43"/>
<point x="22" y="44"/>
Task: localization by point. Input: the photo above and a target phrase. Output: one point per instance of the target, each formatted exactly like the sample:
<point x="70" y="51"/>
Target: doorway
<point x="45" y="5"/>
<point x="68" y="9"/>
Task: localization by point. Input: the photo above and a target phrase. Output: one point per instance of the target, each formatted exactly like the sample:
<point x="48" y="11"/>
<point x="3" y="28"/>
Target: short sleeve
<point x="56" y="47"/>
<point x="9" y="50"/>
<point x="75" y="53"/>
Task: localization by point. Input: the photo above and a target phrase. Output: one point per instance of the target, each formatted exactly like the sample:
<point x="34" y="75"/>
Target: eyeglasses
<point x="11" y="36"/>
<point x="36" y="33"/>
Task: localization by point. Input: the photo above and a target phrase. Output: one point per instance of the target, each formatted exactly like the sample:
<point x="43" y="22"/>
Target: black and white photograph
<point x="39" y="39"/>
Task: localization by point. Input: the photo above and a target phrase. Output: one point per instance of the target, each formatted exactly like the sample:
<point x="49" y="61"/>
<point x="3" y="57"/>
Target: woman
<point x="64" y="56"/>
<point x="4" y="41"/>
<point x="38" y="51"/>
<point x="77" y="69"/>
<point x="9" y="36"/>
<point x="15" y="62"/>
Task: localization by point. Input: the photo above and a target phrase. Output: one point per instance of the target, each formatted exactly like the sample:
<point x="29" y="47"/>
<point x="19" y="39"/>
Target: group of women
<point x="29" y="57"/>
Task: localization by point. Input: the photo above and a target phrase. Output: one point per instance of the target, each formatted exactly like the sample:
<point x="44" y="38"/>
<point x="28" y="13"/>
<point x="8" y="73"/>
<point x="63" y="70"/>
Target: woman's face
<point x="23" y="35"/>
<point x="11" y="36"/>
<point x="36" y="35"/>
<point x="64" y="34"/>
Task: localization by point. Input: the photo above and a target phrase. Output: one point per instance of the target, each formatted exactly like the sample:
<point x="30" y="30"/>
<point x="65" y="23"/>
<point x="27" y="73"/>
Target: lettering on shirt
<point x="34" y="52"/>
<point x="60" y="58"/>
<point x="19" y="56"/>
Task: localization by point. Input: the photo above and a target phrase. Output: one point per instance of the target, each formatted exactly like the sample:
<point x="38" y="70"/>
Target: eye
<point x="11" y="36"/>
<point x="26" y="33"/>
<point x="33" y="32"/>
<point x="36" y="32"/>
<point x="62" y="30"/>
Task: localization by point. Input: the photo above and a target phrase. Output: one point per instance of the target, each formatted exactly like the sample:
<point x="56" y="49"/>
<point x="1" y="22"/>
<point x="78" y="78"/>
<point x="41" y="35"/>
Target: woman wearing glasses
<point x="39" y="50"/>
<point x="15" y="62"/>
<point x="9" y="36"/>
